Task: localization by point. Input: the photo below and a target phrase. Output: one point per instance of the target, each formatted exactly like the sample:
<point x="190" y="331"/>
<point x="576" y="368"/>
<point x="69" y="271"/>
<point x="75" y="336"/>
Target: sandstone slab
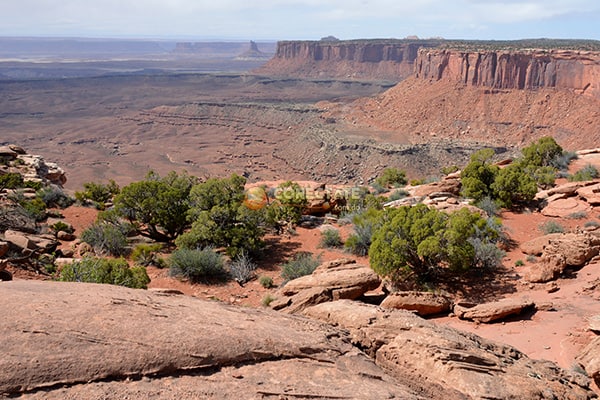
<point x="442" y="362"/>
<point x="591" y="194"/>
<point x="72" y="340"/>
<point x="423" y="303"/>
<point x="546" y="269"/>
<point x="590" y="359"/>
<point x="339" y="276"/>
<point x="577" y="248"/>
<point x="563" y="208"/>
<point x="493" y="311"/>
<point x="536" y="246"/>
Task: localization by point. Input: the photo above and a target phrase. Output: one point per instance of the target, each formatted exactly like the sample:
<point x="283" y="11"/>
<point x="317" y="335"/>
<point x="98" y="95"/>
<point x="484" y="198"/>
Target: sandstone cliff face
<point x="372" y="59"/>
<point x="562" y="69"/>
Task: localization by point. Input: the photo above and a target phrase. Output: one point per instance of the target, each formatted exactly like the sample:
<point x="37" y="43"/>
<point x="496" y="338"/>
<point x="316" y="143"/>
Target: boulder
<point x="25" y="241"/>
<point x="20" y="240"/>
<point x="7" y="153"/>
<point x="336" y="275"/>
<point x="536" y="246"/>
<point x="577" y="248"/>
<point x="13" y="218"/>
<point x="568" y="189"/>
<point x="423" y="303"/>
<point x="546" y="269"/>
<point x="333" y="280"/>
<point x="590" y="359"/>
<point x="448" y="186"/>
<point x="563" y="208"/>
<point x="444" y="363"/>
<point x="17" y="149"/>
<point x="182" y="348"/>
<point x="591" y="194"/>
<point x="493" y="311"/>
<point x="65" y="236"/>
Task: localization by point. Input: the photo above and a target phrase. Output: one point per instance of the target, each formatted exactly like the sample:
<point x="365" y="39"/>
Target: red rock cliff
<point x="357" y="59"/>
<point x="562" y="69"/>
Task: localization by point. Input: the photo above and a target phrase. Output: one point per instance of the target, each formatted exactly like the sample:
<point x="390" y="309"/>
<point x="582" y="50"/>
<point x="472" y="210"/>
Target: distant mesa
<point x="225" y="50"/>
<point x="253" y="53"/>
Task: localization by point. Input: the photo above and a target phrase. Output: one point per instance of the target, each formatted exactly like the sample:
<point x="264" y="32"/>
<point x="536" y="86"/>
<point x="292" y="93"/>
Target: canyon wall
<point x="382" y="59"/>
<point x="526" y="69"/>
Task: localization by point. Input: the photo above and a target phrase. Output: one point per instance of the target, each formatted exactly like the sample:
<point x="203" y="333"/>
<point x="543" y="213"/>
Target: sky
<point x="301" y="19"/>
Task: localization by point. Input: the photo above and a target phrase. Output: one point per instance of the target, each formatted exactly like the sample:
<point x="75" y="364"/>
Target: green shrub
<point x="391" y="177"/>
<point x="220" y="218"/>
<point x="415" y="242"/>
<point x="378" y="188"/>
<point x="577" y="215"/>
<point x="513" y="185"/>
<point x="488" y="205"/>
<point x="197" y="265"/>
<point x="11" y="180"/>
<point x="531" y="259"/>
<point x="551" y="227"/>
<point x="102" y="270"/>
<point x="519" y="263"/>
<point x="303" y="263"/>
<point x="330" y="238"/>
<point x="146" y="254"/>
<point x="562" y="162"/>
<point x="34" y="208"/>
<point x="417" y="182"/>
<point x="105" y="239"/>
<point x="267" y="300"/>
<point x="242" y="268"/>
<point x="60" y="226"/>
<point x="543" y="153"/>
<point x="398" y="194"/>
<point x="98" y="193"/>
<point x="365" y="224"/>
<point x="266" y="281"/>
<point x="591" y="224"/>
<point x="587" y="173"/>
<point x="449" y="170"/>
<point x="478" y="176"/>
<point x="54" y="196"/>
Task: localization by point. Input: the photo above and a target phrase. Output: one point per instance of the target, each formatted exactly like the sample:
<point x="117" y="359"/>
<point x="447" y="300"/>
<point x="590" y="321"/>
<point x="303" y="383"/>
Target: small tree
<point x="478" y="176"/>
<point x="512" y="185"/>
<point x="542" y="153"/>
<point x="219" y="218"/>
<point x="417" y="242"/>
<point x="157" y="206"/>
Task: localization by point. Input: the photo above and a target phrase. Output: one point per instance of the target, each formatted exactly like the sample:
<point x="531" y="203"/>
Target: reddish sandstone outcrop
<point x="562" y="69"/>
<point x="390" y="59"/>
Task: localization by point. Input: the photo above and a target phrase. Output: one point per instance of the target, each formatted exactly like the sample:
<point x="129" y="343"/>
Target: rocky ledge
<point x="74" y="340"/>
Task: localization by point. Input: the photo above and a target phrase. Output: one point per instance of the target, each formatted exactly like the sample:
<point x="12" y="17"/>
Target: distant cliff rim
<point x="397" y="59"/>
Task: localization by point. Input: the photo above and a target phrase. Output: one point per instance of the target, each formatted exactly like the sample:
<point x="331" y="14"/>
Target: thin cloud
<point x="280" y="19"/>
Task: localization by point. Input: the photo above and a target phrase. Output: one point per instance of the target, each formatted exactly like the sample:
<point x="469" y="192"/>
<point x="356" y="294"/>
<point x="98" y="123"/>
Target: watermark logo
<point x="256" y="198"/>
